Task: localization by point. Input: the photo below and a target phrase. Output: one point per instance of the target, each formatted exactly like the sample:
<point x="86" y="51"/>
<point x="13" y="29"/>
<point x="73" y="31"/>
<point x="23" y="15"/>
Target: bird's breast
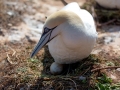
<point x="64" y="54"/>
<point x="73" y="44"/>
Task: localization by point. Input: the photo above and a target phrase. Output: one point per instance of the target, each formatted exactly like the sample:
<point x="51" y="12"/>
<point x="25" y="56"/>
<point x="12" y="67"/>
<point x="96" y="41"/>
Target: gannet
<point x="70" y="34"/>
<point x="112" y="4"/>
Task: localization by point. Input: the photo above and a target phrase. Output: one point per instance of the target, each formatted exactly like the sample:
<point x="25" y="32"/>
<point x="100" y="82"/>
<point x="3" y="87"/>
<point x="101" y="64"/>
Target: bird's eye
<point x="46" y="30"/>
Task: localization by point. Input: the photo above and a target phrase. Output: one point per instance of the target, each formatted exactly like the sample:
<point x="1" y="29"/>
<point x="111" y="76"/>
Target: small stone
<point x="82" y="78"/>
<point x="22" y="89"/>
<point x="10" y="13"/>
<point x="118" y="69"/>
<point x="9" y="24"/>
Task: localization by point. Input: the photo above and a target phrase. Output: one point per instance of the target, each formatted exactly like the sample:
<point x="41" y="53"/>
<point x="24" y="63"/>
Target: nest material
<point x="106" y="15"/>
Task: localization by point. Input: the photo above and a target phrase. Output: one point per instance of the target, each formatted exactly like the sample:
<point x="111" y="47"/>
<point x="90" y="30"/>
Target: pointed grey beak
<point x="45" y="38"/>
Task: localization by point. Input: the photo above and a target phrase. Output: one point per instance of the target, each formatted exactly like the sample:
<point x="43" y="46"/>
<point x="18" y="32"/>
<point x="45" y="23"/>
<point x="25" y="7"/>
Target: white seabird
<point x="112" y="4"/>
<point x="70" y="34"/>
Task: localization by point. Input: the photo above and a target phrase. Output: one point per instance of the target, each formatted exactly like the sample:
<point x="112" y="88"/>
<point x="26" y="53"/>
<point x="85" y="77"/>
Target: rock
<point x="118" y="69"/>
<point x="82" y="78"/>
<point x="108" y="39"/>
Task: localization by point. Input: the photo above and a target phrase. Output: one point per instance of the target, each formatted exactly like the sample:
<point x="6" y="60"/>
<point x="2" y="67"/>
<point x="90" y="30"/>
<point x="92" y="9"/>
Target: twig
<point x="86" y="71"/>
<point x="58" y="87"/>
<point x="106" y="23"/>
<point x="72" y="81"/>
<point x="8" y="59"/>
<point x="14" y="52"/>
<point x="110" y="67"/>
<point x="64" y="2"/>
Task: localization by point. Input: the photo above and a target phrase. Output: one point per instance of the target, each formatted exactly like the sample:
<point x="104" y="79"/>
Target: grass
<point x="104" y="83"/>
<point x="34" y="73"/>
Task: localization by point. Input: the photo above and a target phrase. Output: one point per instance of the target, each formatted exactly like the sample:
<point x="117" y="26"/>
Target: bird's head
<point x="52" y="27"/>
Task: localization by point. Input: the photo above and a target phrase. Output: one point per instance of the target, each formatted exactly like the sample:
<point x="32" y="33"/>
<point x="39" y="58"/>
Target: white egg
<point x="56" y="68"/>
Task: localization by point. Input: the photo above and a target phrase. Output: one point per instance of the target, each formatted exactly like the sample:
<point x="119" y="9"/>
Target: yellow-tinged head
<point x="60" y="17"/>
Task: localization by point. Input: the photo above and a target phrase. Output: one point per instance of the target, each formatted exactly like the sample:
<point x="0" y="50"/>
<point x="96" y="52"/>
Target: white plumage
<point x="109" y="3"/>
<point x="71" y="34"/>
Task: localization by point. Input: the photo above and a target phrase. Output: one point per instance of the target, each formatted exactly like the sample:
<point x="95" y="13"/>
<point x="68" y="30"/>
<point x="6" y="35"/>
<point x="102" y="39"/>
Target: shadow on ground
<point x="75" y="76"/>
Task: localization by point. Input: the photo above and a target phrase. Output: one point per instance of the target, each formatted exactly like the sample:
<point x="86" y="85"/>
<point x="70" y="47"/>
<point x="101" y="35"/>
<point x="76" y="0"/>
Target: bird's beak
<point x="45" y="38"/>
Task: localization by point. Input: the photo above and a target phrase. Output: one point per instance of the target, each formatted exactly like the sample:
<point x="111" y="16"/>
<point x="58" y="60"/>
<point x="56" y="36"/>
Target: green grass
<point x="105" y="83"/>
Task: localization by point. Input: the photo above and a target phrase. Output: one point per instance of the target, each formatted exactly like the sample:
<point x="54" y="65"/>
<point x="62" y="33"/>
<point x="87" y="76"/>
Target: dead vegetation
<point x="20" y="72"/>
<point x="32" y="74"/>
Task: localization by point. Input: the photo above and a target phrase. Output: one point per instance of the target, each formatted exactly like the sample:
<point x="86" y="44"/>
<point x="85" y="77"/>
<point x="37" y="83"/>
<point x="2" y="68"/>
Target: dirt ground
<point x="20" y="30"/>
